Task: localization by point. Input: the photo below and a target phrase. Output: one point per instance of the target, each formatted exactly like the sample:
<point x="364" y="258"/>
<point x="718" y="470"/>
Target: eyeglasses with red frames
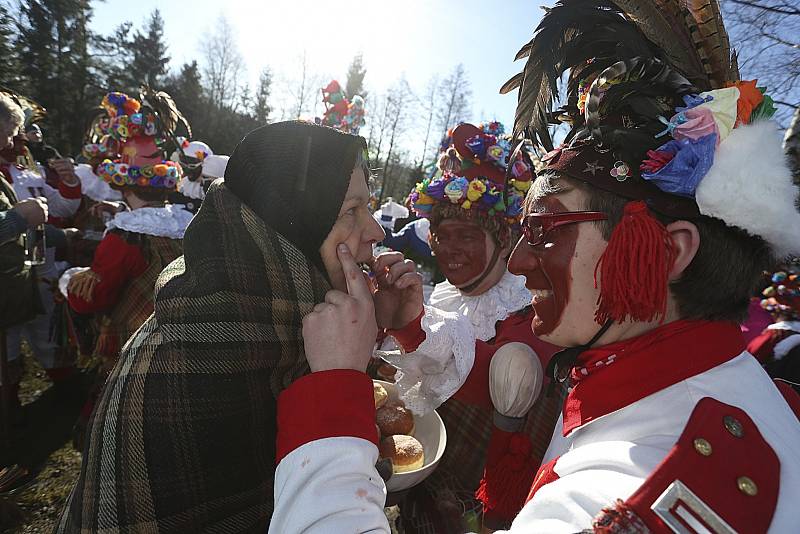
<point x="536" y="226"/>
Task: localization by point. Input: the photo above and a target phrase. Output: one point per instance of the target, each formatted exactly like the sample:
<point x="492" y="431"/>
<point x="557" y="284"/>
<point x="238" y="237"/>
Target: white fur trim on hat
<point x="214" y="166"/>
<point x="750" y="186"/>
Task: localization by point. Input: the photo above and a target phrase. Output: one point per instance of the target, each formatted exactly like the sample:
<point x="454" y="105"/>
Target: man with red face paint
<point x="642" y="241"/>
<point x="448" y="346"/>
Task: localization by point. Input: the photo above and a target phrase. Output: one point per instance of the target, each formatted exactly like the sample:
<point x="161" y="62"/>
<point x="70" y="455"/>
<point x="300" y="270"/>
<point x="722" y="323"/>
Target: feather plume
<point x="677" y="44"/>
<point x="666" y="28"/>
<point x="166" y="110"/>
<point x="711" y="41"/>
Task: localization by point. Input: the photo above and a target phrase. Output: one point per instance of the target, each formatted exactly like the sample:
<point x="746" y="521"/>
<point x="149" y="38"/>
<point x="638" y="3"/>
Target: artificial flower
<point x="475" y="190"/>
<point x="749" y="99"/>
<point x="691" y="161"/>
<point x="698" y="122"/>
<point x="723" y="106"/>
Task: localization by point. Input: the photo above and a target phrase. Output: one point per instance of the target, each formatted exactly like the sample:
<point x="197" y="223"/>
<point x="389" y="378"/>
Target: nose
<point x="522" y="259"/>
<point x="375" y="232"/>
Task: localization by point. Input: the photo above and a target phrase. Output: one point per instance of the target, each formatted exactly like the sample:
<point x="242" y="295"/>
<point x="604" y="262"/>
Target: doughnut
<point x="380" y="394"/>
<point x="394" y="418"/>
<point x="405" y="452"/>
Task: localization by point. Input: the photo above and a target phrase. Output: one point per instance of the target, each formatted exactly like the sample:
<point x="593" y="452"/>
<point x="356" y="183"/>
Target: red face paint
<point x="547" y="268"/>
<point x="460" y="250"/>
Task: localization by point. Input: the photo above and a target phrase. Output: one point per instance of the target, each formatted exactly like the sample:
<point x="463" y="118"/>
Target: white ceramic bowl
<point x="429" y="430"/>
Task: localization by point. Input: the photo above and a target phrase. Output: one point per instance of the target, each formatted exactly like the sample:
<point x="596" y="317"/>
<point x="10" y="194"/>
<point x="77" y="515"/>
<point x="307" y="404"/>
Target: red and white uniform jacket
<point x="679" y="426"/>
<point x="61" y="202"/>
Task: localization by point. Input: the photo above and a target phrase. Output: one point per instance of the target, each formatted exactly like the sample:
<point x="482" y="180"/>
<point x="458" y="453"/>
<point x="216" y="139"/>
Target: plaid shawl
<point x="183" y="438"/>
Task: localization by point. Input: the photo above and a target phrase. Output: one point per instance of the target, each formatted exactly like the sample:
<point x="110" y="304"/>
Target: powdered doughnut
<point x="405" y="452"/>
<point x="395" y="419"/>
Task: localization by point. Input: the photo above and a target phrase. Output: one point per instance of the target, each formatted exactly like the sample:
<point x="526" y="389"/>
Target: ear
<point x="686" y="241"/>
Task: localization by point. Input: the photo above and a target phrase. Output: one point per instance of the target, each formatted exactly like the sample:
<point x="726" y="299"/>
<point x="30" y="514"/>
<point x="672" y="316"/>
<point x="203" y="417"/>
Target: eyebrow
<point x="357" y="197"/>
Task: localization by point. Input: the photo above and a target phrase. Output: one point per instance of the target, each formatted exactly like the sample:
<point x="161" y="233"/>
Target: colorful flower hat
<point x="130" y="148"/>
<point x="782" y="297"/>
<point x="469" y="180"/>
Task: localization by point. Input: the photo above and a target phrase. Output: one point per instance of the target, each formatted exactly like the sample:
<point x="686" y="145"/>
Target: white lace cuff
<point x="439" y="367"/>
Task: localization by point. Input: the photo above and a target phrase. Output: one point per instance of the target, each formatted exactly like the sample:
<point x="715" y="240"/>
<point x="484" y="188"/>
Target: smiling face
<point x="462" y="250"/>
<point x="560" y="273"/>
<point x="355" y="227"/>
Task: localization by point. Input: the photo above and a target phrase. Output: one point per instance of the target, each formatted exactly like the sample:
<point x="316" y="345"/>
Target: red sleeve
<point x="116" y="262"/>
<point x="69" y="191"/>
<point x="517" y="328"/>
<point x="326" y="404"/>
<point x="411" y="335"/>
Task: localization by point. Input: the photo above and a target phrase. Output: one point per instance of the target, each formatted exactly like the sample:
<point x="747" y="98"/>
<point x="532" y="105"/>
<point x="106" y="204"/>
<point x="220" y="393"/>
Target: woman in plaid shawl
<point x="183" y="438"/>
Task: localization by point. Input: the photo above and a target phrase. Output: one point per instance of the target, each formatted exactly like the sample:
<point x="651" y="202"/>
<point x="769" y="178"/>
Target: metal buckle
<point x="680" y="508"/>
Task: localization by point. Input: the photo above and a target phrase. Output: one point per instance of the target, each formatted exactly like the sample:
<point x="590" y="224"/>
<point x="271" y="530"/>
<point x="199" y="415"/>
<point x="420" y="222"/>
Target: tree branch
<point x="771" y="9"/>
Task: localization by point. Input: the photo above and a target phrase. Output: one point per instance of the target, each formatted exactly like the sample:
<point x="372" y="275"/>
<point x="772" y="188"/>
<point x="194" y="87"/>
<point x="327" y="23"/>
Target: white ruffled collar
<point x="509" y="295"/>
<point x="170" y="221"/>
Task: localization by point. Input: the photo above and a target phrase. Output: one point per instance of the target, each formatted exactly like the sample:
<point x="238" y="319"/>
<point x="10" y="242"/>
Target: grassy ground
<point x="43" y="444"/>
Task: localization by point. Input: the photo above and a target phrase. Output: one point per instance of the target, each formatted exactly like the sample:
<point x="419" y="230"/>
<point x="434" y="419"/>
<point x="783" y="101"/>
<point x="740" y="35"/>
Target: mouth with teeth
<point x="540" y="295"/>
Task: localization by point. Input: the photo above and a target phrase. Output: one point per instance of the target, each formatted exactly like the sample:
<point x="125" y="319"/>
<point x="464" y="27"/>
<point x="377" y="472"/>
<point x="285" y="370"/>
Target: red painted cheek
<point x="548" y="267"/>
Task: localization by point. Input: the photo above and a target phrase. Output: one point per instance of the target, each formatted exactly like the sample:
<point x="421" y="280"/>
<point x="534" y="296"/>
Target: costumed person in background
<point x="194" y="191"/>
<point x="389" y="212"/>
<point x="343" y="113"/>
<point x="191" y="155"/>
<point x="670" y="178"/>
<point x="778" y="346"/>
<point x="27" y="178"/>
<point x="40" y="151"/>
<point x="140" y="240"/>
<point x="414" y="237"/>
<point x="479" y="308"/>
<point x="188" y="415"/>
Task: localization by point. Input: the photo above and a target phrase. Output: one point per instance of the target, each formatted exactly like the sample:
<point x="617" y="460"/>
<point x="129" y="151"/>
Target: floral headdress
<point x="469" y="179"/>
<point x="130" y="148"/>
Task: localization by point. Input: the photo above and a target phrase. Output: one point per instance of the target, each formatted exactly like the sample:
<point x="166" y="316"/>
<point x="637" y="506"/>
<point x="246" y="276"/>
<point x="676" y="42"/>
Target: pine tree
<point x="9" y="66"/>
<point x="149" y="54"/>
<point x="262" y="109"/>
<point x="56" y="65"/>
<point x="187" y="91"/>
<point x="355" y="78"/>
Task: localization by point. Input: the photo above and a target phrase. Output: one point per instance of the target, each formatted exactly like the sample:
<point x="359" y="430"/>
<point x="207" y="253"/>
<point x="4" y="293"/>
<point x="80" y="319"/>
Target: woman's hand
<point x="398" y="299"/>
<point x="340" y="333"/>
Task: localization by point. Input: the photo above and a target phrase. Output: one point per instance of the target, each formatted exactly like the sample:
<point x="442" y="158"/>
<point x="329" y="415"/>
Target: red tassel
<point x="634" y="268"/>
<point x="508" y="476"/>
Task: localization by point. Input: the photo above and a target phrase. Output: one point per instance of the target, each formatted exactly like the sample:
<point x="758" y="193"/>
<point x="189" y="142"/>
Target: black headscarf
<point x="294" y="175"/>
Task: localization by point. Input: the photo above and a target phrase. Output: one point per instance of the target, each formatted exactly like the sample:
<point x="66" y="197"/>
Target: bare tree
<point x="399" y="102"/>
<point x="428" y="105"/>
<point x="303" y="90"/>
<point x="454" y="100"/>
<point x="766" y="34"/>
<point x="224" y="65"/>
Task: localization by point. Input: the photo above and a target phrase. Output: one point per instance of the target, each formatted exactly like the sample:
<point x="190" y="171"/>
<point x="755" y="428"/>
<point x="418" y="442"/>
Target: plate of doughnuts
<point x="413" y="443"/>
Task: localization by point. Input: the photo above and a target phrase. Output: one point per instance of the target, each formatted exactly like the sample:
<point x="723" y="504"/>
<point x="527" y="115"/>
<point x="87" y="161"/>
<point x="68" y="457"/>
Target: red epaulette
<point x="721" y="477"/>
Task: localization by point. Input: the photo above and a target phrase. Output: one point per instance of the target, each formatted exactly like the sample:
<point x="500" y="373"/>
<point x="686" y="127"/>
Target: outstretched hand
<point x="340" y="332"/>
<point x="398" y="299"/>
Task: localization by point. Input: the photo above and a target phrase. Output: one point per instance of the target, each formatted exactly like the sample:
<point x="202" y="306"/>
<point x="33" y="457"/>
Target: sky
<point x="413" y="38"/>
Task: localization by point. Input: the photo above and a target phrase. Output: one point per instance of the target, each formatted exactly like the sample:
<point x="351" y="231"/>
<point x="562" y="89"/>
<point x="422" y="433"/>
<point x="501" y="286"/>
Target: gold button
<point x="747" y="486"/>
<point x="702" y="446"/>
<point x="733" y="425"/>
